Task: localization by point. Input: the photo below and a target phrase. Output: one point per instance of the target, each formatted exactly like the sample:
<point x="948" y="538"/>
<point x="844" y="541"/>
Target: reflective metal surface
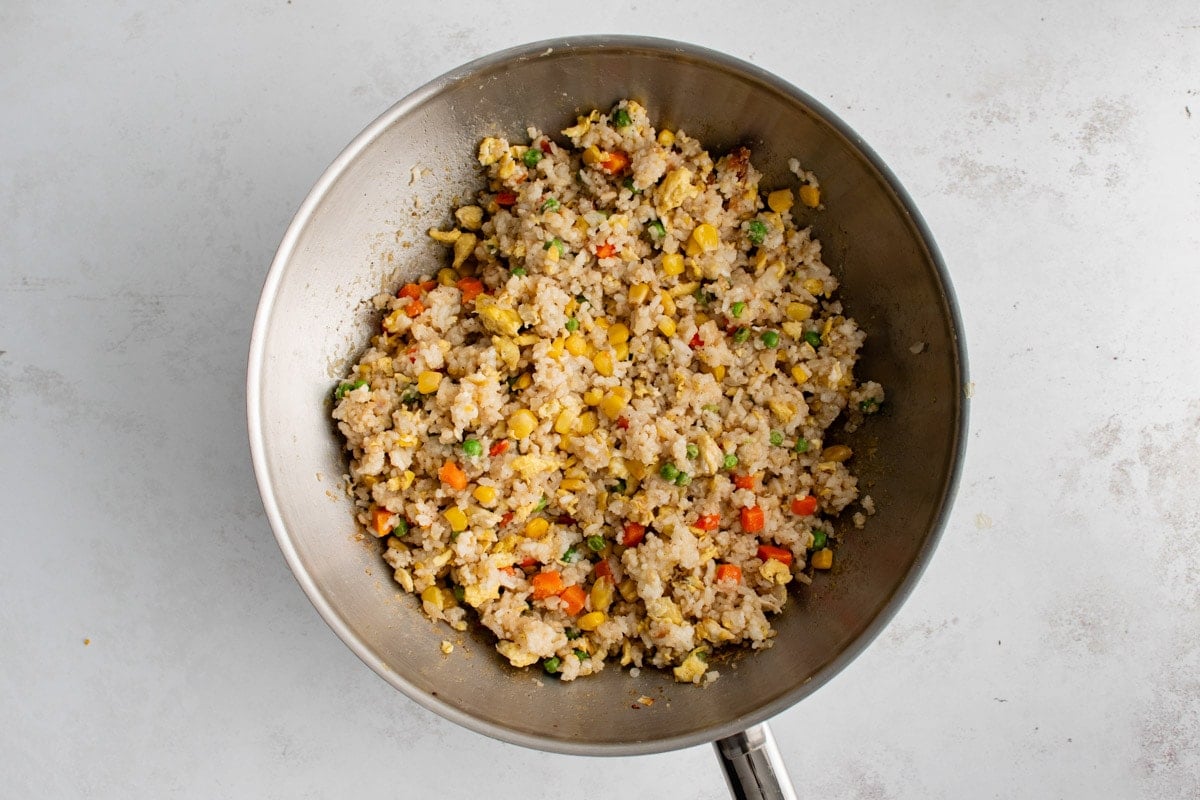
<point x="335" y="254"/>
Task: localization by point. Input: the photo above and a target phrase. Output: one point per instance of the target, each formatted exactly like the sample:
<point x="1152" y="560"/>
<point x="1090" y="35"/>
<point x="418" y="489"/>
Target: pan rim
<point x="257" y="356"/>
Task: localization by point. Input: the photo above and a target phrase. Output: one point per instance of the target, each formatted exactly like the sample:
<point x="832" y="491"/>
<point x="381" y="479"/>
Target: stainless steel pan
<point x="362" y="228"/>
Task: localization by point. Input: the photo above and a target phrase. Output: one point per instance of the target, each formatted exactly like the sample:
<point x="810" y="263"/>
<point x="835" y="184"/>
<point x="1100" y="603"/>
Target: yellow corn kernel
<point x="587" y="422"/>
<point x="668" y="303"/>
<point x="603" y="363"/>
<point x="672" y="264"/>
<point x="576" y="345"/>
<point x="718" y="372"/>
<point x="407" y="478"/>
<point x="781" y="201"/>
<point x="592" y="397"/>
<point x="602" y="323"/>
<point x="665" y="137"/>
<point x="836" y="453"/>
<point x="433" y="595"/>
<point x="799" y="311"/>
<point x="667" y="326"/>
<point x="571" y="484"/>
<point x="486" y="495"/>
<point x="556" y="348"/>
<point x="525" y="381"/>
<point x="683" y="288"/>
<point x="537" y="527"/>
<point x="602" y="593"/>
<point x="470" y="217"/>
<point x="800" y="374"/>
<point x="592" y="620"/>
<point x="621" y="351"/>
<point x="822" y="559"/>
<point x="705" y="237"/>
<point x="428" y="381"/>
<point x="447" y="276"/>
<point x="592" y="155"/>
<point x="445" y="237"/>
<point x="618" y="332"/>
<point x="368" y="480"/>
<point x="638" y="293"/>
<point x="565" y="421"/>
<point x="464" y="246"/>
<point x="521" y="424"/>
<point x="612" y="405"/>
<point x="391" y="322"/>
<point x="456" y="518"/>
<point x="814" y="286"/>
<point x="660" y="350"/>
<point x="810" y="195"/>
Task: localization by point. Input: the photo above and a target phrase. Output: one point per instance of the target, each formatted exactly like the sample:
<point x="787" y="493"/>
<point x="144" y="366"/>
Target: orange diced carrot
<point x="804" y="506"/>
<point x="546" y="584"/>
<point x="729" y="572"/>
<point x="614" y="162"/>
<point x="709" y="522"/>
<point x="770" y="551"/>
<point x="470" y="288"/>
<point x="753" y="519"/>
<point x="634" y="533"/>
<point x="380" y="517"/>
<point x="606" y="251"/>
<point x="410" y="290"/>
<point x="744" y="481"/>
<point x="573" y="598"/>
<point x="414" y="308"/>
<point x="453" y="476"/>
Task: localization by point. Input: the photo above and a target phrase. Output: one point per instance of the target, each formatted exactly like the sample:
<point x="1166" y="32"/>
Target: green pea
<point x="820" y="538"/>
<point x="580" y="654"/>
<point x="532" y="156"/>
<point x="656" y="228"/>
<point x="813" y="338"/>
<point x="730" y="461"/>
<point x="573" y="633"/>
<point x="570" y="555"/>
<point x="621" y="118"/>
<point x="552" y="665"/>
<point x="472" y="447"/>
<point x="776" y="438"/>
<point x="737" y="308"/>
<point x="519" y="271"/>
<point x="401" y="529"/>
<point x="631" y="186"/>
<point x="556" y="243"/>
<point x="770" y="338"/>
<point x="802" y="445"/>
<point x="668" y="471"/>
<point x="551" y="204"/>
<point x="683" y="479"/>
<point x="741" y="335"/>
<point x="595" y="543"/>
<point x="693" y="452"/>
<point x="572" y="324"/>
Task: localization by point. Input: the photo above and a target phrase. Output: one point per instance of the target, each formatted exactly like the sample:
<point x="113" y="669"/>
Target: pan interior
<point x="363" y="230"/>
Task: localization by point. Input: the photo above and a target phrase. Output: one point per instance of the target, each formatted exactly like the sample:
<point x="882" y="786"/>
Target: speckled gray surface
<point x="151" y="156"/>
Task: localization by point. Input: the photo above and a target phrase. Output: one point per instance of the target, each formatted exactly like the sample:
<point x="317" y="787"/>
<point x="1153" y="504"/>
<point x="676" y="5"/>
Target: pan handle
<point x="753" y="767"/>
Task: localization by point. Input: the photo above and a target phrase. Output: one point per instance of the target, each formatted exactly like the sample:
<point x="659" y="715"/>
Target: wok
<point x="361" y="230"/>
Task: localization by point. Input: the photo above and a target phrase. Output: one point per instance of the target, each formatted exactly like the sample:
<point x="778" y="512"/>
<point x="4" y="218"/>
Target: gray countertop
<point x="154" y="643"/>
